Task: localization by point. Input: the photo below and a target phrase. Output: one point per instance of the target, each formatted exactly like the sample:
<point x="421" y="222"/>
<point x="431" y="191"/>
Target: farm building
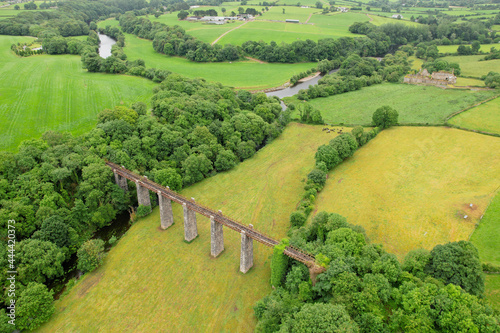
<point x="397" y="16"/>
<point x="291" y="21"/>
<point x="342" y="9"/>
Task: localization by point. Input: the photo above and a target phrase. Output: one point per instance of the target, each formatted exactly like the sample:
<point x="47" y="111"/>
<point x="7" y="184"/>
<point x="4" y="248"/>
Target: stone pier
<point x="142" y="195"/>
<point x="246" y="257"/>
<point x="121" y="181"/>
<point x="166" y="215"/>
<point x="217" y="236"/>
<point x="190" y="227"/>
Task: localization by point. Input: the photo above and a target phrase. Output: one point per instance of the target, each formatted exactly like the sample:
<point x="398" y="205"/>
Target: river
<point x="290" y="91"/>
<point x="105" y="46"/>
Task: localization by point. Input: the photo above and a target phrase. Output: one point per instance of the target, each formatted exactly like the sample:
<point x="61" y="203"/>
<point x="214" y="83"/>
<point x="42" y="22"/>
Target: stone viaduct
<point x="217" y="221"/>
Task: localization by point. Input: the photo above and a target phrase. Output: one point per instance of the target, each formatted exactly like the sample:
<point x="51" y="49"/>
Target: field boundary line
<point x="218" y="38"/>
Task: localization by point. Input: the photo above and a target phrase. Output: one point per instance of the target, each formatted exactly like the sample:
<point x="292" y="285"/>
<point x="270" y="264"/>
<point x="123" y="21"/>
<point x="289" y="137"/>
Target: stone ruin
<point x="436" y="78"/>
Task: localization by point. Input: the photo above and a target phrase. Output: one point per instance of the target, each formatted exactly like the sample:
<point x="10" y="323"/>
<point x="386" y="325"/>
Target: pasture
<point x="415" y="104"/>
<point x="240" y="74"/>
<point x="472" y="67"/>
<point x="453" y="48"/>
<point x="41" y="93"/>
<point x="411" y="187"/>
<point x="485" y="117"/>
<point x="179" y="287"/>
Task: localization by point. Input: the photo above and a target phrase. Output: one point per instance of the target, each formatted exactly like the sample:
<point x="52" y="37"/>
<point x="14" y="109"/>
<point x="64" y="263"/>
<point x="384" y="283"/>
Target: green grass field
<point x="41" y="93"/>
<point x="485" y="237"/>
<point x="465" y="82"/>
<point x="485" y="117"/>
<point x="471" y="66"/>
<point x="286" y="32"/>
<point x="241" y="74"/>
<point x="492" y="292"/>
<point x="453" y="48"/>
<point x="411" y="187"/>
<point x="153" y="281"/>
<point x="415" y="104"/>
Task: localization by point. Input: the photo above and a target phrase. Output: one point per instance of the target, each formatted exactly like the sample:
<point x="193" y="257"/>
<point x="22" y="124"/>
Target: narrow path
<point x="371" y="18"/>
<point x="215" y="41"/>
<point x="309" y="18"/>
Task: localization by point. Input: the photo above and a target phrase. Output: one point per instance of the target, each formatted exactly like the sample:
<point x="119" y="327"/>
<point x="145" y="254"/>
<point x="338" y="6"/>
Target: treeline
<point x="356" y="72"/>
<point x="59" y="191"/>
<point x="174" y="40"/>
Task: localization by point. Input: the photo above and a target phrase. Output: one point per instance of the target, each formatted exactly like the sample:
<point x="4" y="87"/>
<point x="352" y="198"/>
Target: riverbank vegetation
<point x="59" y="191"/>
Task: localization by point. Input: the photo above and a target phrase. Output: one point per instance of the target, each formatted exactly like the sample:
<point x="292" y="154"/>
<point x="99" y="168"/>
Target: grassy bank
<point x="178" y="286"/>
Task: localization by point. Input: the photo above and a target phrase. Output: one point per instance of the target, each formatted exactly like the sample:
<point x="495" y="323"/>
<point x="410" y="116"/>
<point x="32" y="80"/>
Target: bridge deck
<point x="290" y="251"/>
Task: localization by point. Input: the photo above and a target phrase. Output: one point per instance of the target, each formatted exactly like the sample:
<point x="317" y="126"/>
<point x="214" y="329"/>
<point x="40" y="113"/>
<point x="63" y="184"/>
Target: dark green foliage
<point x="279" y="264"/>
<point x="457" y="263"/>
<point x="385" y="117"/>
<point x="34" y="306"/>
<point x="442" y="65"/>
<point x="317" y="176"/>
<point x="143" y="211"/>
<point x="416" y="261"/>
<point x="328" y="155"/>
<point x="365" y="289"/>
<point x="297" y="219"/>
<point x="54" y="230"/>
<point x="169" y="177"/>
<point x="90" y="255"/>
